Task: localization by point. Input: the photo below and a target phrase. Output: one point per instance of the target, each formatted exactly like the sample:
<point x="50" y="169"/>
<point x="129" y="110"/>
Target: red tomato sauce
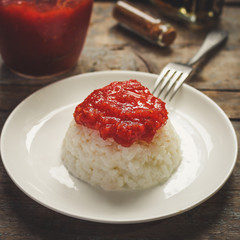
<point x="125" y="111"/>
<point x="38" y="39"/>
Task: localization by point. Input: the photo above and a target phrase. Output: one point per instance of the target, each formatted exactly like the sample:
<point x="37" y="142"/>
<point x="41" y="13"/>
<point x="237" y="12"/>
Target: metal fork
<point x="174" y="74"/>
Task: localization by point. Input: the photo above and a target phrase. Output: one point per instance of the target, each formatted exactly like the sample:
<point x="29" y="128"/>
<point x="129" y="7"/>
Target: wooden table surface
<point x="109" y="47"/>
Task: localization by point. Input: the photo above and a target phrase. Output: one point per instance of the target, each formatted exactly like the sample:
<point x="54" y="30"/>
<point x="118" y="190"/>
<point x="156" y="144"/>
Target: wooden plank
<point x="109" y="46"/>
<point x="229" y="101"/>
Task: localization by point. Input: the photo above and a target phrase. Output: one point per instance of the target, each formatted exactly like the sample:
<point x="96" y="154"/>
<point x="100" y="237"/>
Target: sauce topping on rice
<point x="125" y="111"/>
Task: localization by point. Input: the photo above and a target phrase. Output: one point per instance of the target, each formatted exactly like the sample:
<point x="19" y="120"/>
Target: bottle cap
<point x="167" y="36"/>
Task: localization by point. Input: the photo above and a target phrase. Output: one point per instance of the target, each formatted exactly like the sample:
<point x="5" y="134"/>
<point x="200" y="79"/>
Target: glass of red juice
<point x="43" y="38"/>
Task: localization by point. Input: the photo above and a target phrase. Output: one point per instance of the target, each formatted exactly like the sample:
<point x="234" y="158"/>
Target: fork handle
<point x="212" y="40"/>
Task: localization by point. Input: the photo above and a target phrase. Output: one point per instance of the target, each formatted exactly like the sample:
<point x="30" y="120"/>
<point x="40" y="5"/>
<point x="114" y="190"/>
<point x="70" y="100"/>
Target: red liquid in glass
<point x="40" y="39"/>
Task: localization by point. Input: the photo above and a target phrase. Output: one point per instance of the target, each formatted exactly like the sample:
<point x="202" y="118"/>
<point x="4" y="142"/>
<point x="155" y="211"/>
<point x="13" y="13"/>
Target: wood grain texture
<point x="110" y="47"/>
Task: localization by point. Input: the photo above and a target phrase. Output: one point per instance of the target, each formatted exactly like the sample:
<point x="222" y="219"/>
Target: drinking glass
<point x="43" y="38"/>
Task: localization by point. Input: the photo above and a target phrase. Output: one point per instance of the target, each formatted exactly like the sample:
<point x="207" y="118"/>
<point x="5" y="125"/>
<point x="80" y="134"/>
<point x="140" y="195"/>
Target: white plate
<point x="31" y="144"/>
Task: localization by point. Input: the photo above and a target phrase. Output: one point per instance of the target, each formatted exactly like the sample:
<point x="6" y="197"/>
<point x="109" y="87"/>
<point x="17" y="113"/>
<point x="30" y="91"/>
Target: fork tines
<point x="170" y="80"/>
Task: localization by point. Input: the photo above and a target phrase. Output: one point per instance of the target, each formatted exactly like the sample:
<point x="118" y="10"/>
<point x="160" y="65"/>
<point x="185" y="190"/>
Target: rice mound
<point x="113" y="167"/>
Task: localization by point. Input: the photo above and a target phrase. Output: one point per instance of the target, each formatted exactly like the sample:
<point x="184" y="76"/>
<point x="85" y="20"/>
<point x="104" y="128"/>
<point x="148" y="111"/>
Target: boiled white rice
<point x="113" y="167"/>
